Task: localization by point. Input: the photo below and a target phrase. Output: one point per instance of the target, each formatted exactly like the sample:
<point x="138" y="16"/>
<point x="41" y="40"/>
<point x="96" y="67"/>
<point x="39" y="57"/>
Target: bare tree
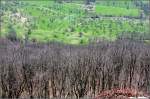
<point x="44" y="70"/>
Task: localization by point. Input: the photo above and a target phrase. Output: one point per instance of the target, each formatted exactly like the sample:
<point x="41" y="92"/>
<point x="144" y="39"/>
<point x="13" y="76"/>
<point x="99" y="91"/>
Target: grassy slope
<point x="116" y="11"/>
<point x="65" y="22"/>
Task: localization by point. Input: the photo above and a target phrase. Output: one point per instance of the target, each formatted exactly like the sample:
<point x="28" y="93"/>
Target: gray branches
<point x="58" y="70"/>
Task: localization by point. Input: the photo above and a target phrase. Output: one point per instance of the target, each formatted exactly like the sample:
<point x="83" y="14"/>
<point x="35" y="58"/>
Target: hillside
<point x="73" y="22"/>
<point x="74" y="49"/>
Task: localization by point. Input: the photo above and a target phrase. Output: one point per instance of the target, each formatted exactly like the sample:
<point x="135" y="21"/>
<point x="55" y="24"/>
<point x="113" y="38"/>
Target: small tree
<point x="89" y="1"/>
<point x="11" y="33"/>
<point x="58" y="1"/>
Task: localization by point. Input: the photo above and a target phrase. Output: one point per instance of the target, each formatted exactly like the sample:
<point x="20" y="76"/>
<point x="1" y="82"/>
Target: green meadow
<point x="70" y="22"/>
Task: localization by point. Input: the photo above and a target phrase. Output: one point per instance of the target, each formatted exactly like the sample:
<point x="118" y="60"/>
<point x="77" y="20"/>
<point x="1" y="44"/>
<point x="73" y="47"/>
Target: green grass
<point x="65" y="22"/>
<point x="117" y="11"/>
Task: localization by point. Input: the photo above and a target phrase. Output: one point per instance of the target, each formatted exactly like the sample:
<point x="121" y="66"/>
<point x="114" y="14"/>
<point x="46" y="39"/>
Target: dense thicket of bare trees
<point x="58" y="70"/>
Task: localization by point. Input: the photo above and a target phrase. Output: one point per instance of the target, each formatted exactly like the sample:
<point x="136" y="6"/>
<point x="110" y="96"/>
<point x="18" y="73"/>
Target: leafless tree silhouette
<point x="37" y="70"/>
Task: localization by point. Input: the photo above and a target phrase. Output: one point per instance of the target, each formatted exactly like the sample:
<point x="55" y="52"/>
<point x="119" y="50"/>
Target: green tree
<point x="58" y="1"/>
<point x="89" y="1"/>
<point x="12" y="35"/>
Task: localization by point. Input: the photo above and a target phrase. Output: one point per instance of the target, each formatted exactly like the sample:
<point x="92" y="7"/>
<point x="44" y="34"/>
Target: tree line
<point x="45" y="70"/>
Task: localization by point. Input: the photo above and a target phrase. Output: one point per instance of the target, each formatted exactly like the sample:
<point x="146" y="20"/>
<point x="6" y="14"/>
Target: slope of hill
<point x="73" y="22"/>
